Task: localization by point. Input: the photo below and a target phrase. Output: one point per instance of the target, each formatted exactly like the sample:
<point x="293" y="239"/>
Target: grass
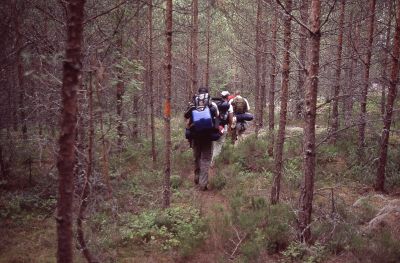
<point x="131" y="227"/>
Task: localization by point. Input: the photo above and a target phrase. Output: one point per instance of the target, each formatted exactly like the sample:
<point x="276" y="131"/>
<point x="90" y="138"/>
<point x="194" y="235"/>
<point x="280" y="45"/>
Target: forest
<point x="95" y="166"/>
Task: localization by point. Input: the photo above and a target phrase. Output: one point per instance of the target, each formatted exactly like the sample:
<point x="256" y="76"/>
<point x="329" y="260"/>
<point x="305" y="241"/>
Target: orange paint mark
<point x="167" y="109"/>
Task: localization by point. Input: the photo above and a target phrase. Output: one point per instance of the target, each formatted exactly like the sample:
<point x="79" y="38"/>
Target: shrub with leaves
<point x="174" y="227"/>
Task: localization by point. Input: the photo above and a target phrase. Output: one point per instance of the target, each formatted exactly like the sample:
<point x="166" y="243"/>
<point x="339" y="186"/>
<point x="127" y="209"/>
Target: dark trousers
<point x="202" y="150"/>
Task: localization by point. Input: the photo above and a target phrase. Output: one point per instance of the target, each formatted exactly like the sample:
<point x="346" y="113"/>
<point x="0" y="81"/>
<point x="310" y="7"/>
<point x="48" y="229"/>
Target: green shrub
<point x="301" y="252"/>
<point x="24" y="206"/>
<point x="268" y="227"/>
<point x="175" y="227"/>
<point x="378" y="247"/>
<point x="217" y="182"/>
<point x="176" y="181"/>
<point x="293" y="172"/>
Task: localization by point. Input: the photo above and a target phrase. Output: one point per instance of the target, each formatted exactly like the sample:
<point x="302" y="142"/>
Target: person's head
<point x="202" y="90"/>
<point x="237" y="92"/>
<point x="225" y="94"/>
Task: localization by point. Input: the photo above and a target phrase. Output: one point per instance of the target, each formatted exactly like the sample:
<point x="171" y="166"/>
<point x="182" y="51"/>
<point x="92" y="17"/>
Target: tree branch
<point x="327" y="17"/>
<point x="104" y="12"/>
<point x="49" y="15"/>
<point x="293" y="17"/>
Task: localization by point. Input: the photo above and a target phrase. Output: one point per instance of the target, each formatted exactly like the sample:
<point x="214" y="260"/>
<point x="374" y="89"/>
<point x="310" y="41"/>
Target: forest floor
<point x="241" y="226"/>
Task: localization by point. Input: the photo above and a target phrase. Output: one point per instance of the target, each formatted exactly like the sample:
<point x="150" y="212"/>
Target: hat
<point x="203" y="90"/>
<point x="225" y="93"/>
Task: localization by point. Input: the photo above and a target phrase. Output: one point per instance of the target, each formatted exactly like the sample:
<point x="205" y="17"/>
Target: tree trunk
<point x="167" y="105"/>
<point x="207" y="80"/>
<point x="120" y="92"/>
<point x="271" y="95"/>
<point x="275" y="191"/>
<point x="66" y="159"/>
<point x="309" y="154"/>
<point x="135" y="100"/>
<point x="348" y="101"/>
<point x="195" y="33"/>
<point x="258" y="65"/>
<point x="385" y="63"/>
<point x="105" y="144"/>
<point x="380" y="175"/>
<point x="20" y="69"/>
<point x="150" y="72"/>
<point x="302" y="59"/>
<point x="364" y="92"/>
<point x="189" y="89"/>
<point x="263" y="95"/>
<point x="335" y="110"/>
<point x="85" y="191"/>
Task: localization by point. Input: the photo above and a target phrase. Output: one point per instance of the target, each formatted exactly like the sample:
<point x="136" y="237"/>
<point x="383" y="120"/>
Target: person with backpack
<point x="241" y="114"/>
<point x="225" y="121"/>
<point x="201" y="131"/>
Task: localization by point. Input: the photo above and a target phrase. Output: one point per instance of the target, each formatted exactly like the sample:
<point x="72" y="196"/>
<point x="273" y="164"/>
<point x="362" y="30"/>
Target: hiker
<point x="201" y="132"/>
<point x="241" y="114"/>
<point x="225" y="122"/>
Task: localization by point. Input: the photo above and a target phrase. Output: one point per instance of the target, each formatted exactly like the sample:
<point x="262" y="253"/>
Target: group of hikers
<point x="208" y="122"/>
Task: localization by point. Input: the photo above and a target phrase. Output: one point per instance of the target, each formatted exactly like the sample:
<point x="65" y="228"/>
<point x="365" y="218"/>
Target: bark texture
<point x="195" y="35"/>
<point x="335" y="105"/>
<point x="271" y="93"/>
<point x="364" y="91"/>
<point x="150" y="72"/>
<point x="85" y="191"/>
<point x="302" y="59"/>
<point x="120" y="93"/>
<point x="66" y="159"/>
<point x="258" y="66"/>
<point x="380" y="176"/>
<point x="275" y="191"/>
<point x="385" y="63"/>
<point x="311" y="90"/>
<point x="167" y="104"/>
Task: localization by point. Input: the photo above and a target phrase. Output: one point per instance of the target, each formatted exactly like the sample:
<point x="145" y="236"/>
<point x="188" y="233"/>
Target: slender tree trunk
<point x="302" y="59"/>
<point x="20" y="69"/>
<point x="195" y="33"/>
<point x="380" y="175"/>
<point x="105" y="144"/>
<point x="263" y="95"/>
<point x="385" y="63"/>
<point x="364" y="92"/>
<point x="207" y="81"/>
<point x="85" y="191"/>
<point x="120" y="93"/>
<point x="335" y="105"/>
<point x="258" y="65"/>
<point x="351" y="72"/>
<point x="66" y="158"/>
<point x="135" y="98"/>
<point x="150" y="72"/>
<point x="167" y="105"/>
<point x="275" y="192"/>
<point x="189" y="88"/>
<point x="309" y="154"/>
<point x="271" y="95"/>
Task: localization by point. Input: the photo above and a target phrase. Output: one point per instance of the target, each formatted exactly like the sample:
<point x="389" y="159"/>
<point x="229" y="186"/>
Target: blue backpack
<point x="202" y="120"/>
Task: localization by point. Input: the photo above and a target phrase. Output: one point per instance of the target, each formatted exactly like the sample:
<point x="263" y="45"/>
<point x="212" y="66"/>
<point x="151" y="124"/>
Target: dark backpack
<point x="202" y="119"/>
<point x="223" y="107"/>
<point x="239" y="105"/>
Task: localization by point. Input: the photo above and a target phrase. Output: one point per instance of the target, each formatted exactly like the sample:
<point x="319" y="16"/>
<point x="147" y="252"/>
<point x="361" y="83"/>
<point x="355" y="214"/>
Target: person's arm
<point x="230" y="118"/>
<point x="248" y="105"/>
<point x="214" y="105"/>
<point x="188" y="112"/>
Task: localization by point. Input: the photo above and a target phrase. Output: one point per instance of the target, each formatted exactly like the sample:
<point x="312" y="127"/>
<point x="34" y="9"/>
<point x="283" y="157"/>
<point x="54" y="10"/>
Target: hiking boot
<point x="196" y="180"/>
